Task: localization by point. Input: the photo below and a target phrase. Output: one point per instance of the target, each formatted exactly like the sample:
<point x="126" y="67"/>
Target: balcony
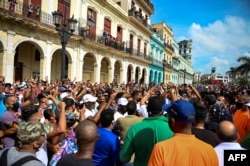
<point x="138" y="16"/>
<point x="138" y="54"/>
<point x="116" y="44"/>
<point x="22" y="11"/>
<point x="156" y="62"/>
<point x="169" y="66"/>
<point x="147" y="5"/>
<point x="169" y="47"/>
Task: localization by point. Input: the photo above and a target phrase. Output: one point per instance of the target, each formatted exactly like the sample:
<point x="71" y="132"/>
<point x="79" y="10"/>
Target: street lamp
<point x="184" y="72"/>
<point x="164" y="63"/>
<point x="65" y="31"/>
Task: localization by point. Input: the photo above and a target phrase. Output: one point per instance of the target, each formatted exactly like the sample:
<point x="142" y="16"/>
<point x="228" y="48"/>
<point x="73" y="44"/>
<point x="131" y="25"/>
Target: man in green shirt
<point x="142" y="136"/>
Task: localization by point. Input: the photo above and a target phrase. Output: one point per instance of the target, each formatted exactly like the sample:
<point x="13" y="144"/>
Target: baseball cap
<point x="29" y="131"/>
<point x="122" y="101"/>
<point x="63" y="95"/>
<point x="181" y="110"/>
<point x="89" y="98"/>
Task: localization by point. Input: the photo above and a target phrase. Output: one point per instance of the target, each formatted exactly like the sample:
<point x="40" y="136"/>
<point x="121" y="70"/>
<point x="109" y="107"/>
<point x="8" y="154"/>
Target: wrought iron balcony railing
<point x="139" y="17"/>
<point x="22" y="10"/>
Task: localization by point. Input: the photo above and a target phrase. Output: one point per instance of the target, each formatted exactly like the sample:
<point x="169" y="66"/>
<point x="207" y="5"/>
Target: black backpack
<point x="22" y="161"/>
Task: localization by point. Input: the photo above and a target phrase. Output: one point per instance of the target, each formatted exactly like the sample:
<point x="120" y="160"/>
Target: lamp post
<point x="184" y="72"/>
<point x="164" y="63"/>
<point x="65" y="31"/>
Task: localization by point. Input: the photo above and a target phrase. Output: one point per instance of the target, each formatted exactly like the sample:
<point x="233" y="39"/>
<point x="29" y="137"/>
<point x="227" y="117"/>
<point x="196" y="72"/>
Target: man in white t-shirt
<point x="91" y="106"/>
<point x="228" y="135"/>
<point x="122" y="110"/>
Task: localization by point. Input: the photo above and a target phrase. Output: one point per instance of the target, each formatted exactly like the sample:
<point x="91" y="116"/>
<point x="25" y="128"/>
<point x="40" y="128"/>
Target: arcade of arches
<point x="29" y="59"/>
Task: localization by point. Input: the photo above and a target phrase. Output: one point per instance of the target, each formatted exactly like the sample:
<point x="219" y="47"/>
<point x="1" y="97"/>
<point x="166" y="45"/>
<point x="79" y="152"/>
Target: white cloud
<point x="219" y="43"/>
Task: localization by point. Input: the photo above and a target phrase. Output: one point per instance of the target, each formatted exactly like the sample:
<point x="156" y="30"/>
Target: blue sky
<point x="220" y="29"/>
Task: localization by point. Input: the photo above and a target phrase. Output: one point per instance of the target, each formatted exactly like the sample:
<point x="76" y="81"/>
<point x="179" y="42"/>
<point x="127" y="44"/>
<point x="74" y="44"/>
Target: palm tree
<point x="232" y="72"/>
<point x="213" y="69"/>
<point x="244" y="68"/>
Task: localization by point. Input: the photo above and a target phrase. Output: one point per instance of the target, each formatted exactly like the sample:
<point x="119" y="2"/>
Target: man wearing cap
<point x="183" y="148"/>
<point x="31" y="137"/>
<point x="32" y="113"/>
<point x="121" y="110"/>
<point x="91" y="106"/>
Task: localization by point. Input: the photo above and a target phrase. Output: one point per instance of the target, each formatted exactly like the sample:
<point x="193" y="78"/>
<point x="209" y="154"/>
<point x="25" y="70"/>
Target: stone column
<point x="9" y="57"/>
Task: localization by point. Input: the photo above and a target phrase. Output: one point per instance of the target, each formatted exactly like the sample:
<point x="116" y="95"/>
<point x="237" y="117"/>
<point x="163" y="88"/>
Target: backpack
<point x="22" y="161"/>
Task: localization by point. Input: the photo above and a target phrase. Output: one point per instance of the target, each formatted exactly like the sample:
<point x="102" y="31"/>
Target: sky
<point x="219" y="29"/>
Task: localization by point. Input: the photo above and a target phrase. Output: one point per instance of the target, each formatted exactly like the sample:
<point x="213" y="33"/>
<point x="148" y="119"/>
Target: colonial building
<point x="157" y="52"/>
<point x="167" y="34"/>
<point x="186" y="74"/>
<point x="176" y="63"/>
<point x="111" y="40"/>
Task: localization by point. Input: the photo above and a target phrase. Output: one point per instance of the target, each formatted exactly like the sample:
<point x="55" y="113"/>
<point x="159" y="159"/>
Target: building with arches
<point x="111" y="41"/>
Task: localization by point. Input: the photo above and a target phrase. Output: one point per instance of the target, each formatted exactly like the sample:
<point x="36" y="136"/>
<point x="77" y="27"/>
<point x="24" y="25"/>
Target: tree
<point x="232" y="72"/>
<point x="242" y="81"/>
<point x="213" y="69"/>
<point x="244" y="68"/>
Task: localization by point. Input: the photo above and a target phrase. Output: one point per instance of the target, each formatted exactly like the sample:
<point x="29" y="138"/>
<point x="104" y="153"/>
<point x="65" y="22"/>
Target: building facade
<point x="167" y="34"/>
<point x="186" y="74"/>
<point x="111" y="40"/>
<point x="157" y="53"/>
<point x="176" y="64"/>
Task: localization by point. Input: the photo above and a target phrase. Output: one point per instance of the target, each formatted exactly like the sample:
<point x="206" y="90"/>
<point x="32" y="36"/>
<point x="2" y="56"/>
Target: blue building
<point x="157" y="55"/>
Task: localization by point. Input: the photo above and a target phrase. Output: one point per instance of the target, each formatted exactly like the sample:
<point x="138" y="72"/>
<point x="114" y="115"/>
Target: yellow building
<point x="111" y="40"/>
<point x="167" y="34"/>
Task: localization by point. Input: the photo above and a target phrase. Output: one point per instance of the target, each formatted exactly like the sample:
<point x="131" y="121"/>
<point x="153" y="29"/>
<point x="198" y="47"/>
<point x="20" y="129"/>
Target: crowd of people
<point x="84" y="123"/>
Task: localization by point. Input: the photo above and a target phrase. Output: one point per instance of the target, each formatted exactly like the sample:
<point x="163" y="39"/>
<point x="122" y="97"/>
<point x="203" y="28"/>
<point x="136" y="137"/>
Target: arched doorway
<point x="137" y="74"/>
<point x="130" y="70"/>
<point x="160" y="80"/>
<point x="56" y="65"/>
<point x="143" y="78"/>
<point x="27" y="61"/>
<point x="88" y="67"/>
<point x="105" y="64"/>
<point x="117" y="71"/>
<point x="156" y="77"/>
<point x="151" y="76"/>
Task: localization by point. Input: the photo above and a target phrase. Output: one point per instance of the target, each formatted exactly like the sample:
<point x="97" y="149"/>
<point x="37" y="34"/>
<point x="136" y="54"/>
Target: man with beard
<point x="121" y="103"/>
<point x="91" y="106"/>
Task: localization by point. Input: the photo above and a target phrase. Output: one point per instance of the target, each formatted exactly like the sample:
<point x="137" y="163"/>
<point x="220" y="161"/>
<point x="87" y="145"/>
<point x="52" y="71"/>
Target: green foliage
<point x="242" y="81"/>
